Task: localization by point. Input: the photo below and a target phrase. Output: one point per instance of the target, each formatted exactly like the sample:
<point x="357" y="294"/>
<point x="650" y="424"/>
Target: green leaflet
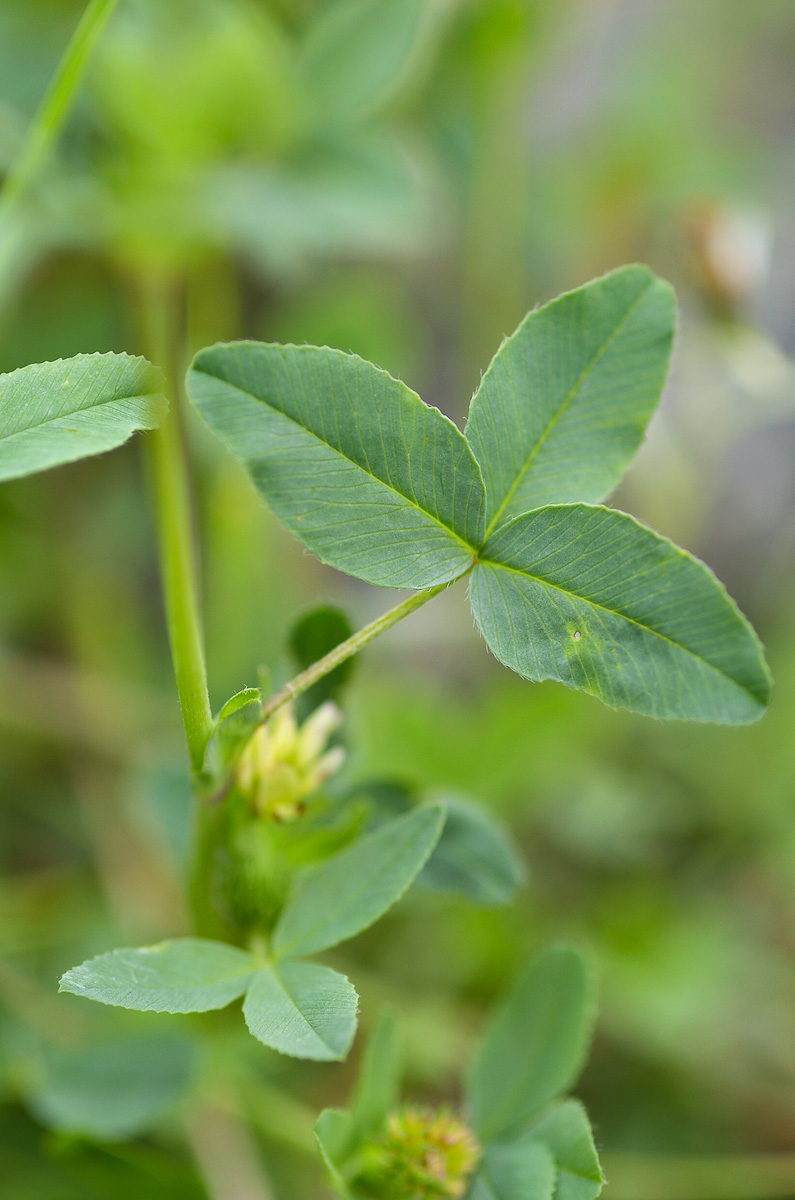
<point x="566" y="1131"/>
<point x="564" y="404"/>
<point x="302" y="1009"/>
<point x="474" y="857"/>
<point x="534" y="1047"/>
<point x="113" y="1089"/>
<point x="345" y="894"/>
<point x="367" y="476"/>
<point x="186" y="975"/>
<point x="57" y="412"/>
<point x="518" y="1171"/>
<point x="590" y="597"/>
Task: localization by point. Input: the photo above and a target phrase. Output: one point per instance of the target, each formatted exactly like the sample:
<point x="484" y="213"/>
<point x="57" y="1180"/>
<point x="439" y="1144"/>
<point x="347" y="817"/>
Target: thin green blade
<point x="57" y="412"/>
<point x="590" y="597"/>
<point x="367" y="476"/>
<point x="302" y="1009"/>
<point x="535" y="1045"/>
<point x="332" y="1131"/>
<point x="187" y="975"/>
<point x="564" y="404"/>
<point x="347" y="893"/>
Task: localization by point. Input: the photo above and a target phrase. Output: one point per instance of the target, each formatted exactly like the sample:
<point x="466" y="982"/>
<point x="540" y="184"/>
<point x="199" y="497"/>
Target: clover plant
<point x="286" y="863"/>
<point x="383" y="486"/>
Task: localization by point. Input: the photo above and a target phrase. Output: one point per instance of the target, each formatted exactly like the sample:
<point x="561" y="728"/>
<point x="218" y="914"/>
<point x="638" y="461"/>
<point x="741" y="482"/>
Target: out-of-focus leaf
<point x="367" y="198"/>
<point x="357" y="52"/>
<point x="332" y="1132"/>
<point x="302" y="1009"/>
<point x="326" y="435"/>
<point x="518" y="1171"/>
<point x="312" y="636"/>
<point x="534" y="1046"/>
<point x="53" y="413"/>
<point x="345" y="894"/>
<point x="186" y="975"/>
<point x="588" y="596"/>
<point x="566" y="1131"/>
<point x="564" y="404"/>
<point x="474" y="856"/>
<point x="378" y="1086"/>
<point x="113" y="1089"/>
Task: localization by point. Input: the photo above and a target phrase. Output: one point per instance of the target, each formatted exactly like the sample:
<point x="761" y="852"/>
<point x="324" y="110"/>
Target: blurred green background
<point x="404" y="179"/>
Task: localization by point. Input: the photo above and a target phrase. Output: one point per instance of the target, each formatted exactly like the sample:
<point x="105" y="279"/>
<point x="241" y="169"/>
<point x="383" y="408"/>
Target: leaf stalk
<point x="345" y="650"/>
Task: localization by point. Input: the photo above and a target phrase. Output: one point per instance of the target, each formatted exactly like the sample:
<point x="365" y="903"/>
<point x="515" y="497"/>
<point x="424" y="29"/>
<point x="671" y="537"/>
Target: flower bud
<point x="284" y="763"/>
<point x="423" y="1155"/>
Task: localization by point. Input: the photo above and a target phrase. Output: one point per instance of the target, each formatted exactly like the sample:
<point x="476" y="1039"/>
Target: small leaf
<point x="535" y="1045"/>
<point x="57" y="412"/>
<point x="566" y="1131"/>
<point x="187" y="975"/>
<point x="564" y="404"/>
<point x="474" y="857"/>
<point x="367" y="476"/>
<point x="311" y="637"/>
<point x="302" y="1009"/>
<point x="345" y="894"/>
<point x="590" y="597"/>
<point x="332" y="1133"/>
<point x="232" y="730"/>
<point x="518" y="1171"/>
<point x="113" y="1089"/>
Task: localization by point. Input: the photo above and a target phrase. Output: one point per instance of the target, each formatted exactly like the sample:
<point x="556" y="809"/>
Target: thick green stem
<point x="55" y="106"/>
<point x="301" y="683"/>
<point x="171" y="496"/>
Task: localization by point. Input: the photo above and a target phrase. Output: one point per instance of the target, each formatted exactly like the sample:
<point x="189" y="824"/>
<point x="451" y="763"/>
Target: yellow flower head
<point x="284" y="763"/>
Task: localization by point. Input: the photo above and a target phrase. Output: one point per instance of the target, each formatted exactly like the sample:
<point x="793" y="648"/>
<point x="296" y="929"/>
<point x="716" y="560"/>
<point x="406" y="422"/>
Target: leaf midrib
<point x="562" y="409"/>
<point x="75" y="412"/>
<point x="365" y="470"/>
<point x="490" y="562"/>
<point x="289" y="952"/>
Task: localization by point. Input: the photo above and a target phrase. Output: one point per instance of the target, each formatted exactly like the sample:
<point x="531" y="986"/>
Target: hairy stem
<point x="357" y="641"/>
<point x="55" y="105"/>
<point x="172" y="506"/>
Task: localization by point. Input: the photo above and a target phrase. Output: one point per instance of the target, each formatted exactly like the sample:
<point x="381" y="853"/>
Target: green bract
<point x="384" y="487"/>
<point x="57" y="412"/>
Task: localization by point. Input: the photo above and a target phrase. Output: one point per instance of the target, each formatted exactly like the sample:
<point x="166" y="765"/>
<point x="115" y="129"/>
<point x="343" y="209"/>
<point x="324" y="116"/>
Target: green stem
<point x="172" y="506"/>
<point x="301" y="683"/>
<point x="55" y="106"/>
